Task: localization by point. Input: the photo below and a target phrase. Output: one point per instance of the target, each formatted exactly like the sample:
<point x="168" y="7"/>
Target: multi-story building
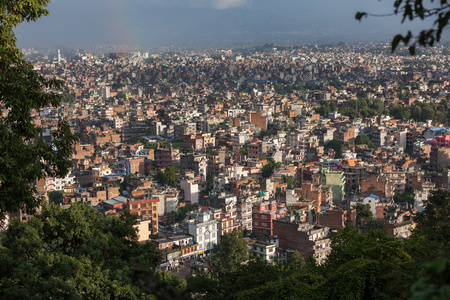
<point x="266" y="251"/>
<point x="58" y="184"/>
<point x="204" y="228"/>
<point x="167" y="157"/>
<point x="308" y="239"/>
<point x="264" y="213"/>
<point x="336" y="180"/>
<point x="244" y="215"/>
<point x="196" y="162"/>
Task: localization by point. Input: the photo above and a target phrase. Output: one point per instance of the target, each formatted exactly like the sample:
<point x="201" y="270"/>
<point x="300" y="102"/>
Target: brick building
<point x="309" y="240"/>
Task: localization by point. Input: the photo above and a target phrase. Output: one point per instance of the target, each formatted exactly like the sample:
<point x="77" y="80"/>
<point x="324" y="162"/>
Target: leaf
<point x="395" y="41"/>
<point x="360" y="15"/>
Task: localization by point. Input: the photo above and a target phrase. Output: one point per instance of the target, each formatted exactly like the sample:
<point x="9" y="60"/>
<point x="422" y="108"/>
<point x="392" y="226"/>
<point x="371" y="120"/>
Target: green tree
<point x="26" y="158"/>
<point x="336" y="145"/>
<point x="169" y="176"/>
<point x="438" y="12"/>
<point x="230" y="253"/>
<point x="405" y="197"/>
<point x="56" y="197"/>
<point x="427" y="113"/>
<point x="367" y="265"/>
<point x="267" y="170"/>
<point x="363" y="139"/>
<point x="73" y="254"/>
<point x="363" y="211"/>
<point x="433" y="221"/>
<point x="296" y="261"/>
<point x="290" y="181"/>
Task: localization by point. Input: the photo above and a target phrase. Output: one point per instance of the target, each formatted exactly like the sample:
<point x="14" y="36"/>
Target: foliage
<point x="230" y="253"/>
<point x="326" y="107"/>
<point x="420" y="111"/>
<point x="366" y="265"/>
<point x="296" y="261"/>
<point x="363" y="139"/>
<point x="267" y="170"/>
<point x="234" y="284"/>
<point x="169" y="176"/>
<point x="363" y="211"/>
<point x="56" y="197"/>
<point x="26" y="158"/>
<point x="290" y="181"/>
<point x="73" y="254"/>
<point x="405" y="197"/>
<point x="436" y="11"/>
<point x="336" y="145"/>
<point x="433" y="221"/>
<point x="171" y="280"/>
<point x="244" y="150"/>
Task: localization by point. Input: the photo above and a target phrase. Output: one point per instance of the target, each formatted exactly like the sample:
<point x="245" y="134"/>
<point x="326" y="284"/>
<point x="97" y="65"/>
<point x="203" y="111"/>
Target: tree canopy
<point x="169" y="176"/>
<point x="230" y="253"/>
<point x="363" y="139"/>
<point x="73" y="254"/>
<point x="25" y="157"/>
<point x="410" y="10"/>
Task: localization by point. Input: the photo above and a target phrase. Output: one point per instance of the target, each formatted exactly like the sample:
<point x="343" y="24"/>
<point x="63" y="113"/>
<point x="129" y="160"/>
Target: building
<point x="264" y="250"/>
<point x="204" y="228"/>
<point x="264" y="213"/>
<point x="336" y="180"/>
<point x="308" y="239"/>
<point x="167" y="157"/>
<point x="337" y="217"/>
<point x="196" y="162"/>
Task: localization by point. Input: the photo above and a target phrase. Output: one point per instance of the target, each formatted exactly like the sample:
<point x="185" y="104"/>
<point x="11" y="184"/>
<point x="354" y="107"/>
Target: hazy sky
<point x="161" y="22"/>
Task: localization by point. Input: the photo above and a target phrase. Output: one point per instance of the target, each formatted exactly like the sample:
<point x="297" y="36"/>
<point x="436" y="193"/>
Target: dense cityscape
<point x="248" y="160"/>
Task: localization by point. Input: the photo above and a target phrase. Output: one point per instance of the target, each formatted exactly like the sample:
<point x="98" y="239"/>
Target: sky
<point x="155" y="23"/>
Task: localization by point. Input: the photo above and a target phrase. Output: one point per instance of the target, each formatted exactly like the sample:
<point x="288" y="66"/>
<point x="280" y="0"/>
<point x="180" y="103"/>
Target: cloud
<point x="224" y="4"/>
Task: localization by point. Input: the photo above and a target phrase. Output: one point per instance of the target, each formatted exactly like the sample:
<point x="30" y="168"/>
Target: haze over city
<point x="154" y="23"/>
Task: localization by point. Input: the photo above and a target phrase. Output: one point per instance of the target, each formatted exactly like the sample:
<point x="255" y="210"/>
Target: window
<point x="134" y="206"/>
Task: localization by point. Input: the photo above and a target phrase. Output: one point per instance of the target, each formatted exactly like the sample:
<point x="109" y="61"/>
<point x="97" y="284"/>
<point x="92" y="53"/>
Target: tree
<point x="26" y="158"/>
<point x="433" y="221"/>
<point x="367" y="265"/>
<point x="363" y="139"/>
<point x="267" y="170"/>
<point x="56" y="197"/>
<point x="230" y="253"/>
<point x="363" y="211"/>
<point x="437" y="11"/>
<point x="336" y="145"/>
<point x="290" y="181"/>
<point x="73" y="254"/>
<point x="169" y="176"/>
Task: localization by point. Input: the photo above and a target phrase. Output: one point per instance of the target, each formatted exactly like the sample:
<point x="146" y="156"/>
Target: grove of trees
<point x="418" y="111"/>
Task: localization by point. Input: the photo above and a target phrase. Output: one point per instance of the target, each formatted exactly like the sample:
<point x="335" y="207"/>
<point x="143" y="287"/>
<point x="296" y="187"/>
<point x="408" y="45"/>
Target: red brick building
<point x="265" y="213"/>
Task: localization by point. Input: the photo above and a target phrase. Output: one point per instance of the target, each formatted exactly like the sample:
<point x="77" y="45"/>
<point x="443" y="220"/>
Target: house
<point x="204" y="228"/>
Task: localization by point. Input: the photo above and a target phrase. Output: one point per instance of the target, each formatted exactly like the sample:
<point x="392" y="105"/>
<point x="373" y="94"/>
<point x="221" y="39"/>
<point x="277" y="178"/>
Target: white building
<point x="191" y="190"/>
<point x="58" y="184"/>
<point x="421" y="196"/>
<point x="204" y="228"/>
<point x="264" y="250"/>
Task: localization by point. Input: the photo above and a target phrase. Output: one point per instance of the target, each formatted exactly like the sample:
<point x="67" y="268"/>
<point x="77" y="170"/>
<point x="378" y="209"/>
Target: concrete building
<point x="336" y="180"/>
<point x="309" y="240"/>
<point x="204" y="228"/>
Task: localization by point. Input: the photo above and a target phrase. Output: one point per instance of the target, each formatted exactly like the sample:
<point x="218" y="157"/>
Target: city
<point x="277" y="170"/>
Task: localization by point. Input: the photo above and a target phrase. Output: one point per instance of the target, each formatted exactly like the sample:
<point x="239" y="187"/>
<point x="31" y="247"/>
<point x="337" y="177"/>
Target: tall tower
<point x="59" y="56"/>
